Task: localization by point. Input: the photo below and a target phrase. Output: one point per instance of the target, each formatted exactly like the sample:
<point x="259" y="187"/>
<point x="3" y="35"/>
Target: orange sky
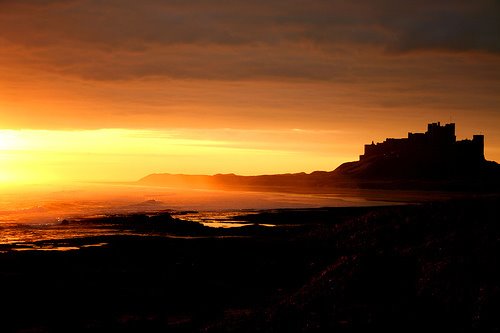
<point x="114" y="90"/>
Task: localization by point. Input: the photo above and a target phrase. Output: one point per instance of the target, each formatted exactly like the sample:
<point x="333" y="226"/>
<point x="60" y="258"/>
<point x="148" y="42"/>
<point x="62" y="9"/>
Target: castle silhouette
<point x="434" y="155"/>
<point x="439" y="143"/>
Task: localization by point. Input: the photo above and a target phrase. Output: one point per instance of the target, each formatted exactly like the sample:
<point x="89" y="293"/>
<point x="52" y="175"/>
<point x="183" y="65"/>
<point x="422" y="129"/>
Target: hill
<point x="431" y="160"/>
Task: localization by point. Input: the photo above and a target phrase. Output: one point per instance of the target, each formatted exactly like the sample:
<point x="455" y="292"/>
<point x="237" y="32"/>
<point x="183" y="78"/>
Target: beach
<point x="408" y="267"/>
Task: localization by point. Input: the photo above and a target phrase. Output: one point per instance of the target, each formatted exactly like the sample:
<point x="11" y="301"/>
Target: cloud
<point x="33" y="3"/>
<point x="132" y="56"/>
<point x="445" y="26"/>
<point x="130" y="24"/>
<point x="362" y="65"/>
<point x="233" y="40"/>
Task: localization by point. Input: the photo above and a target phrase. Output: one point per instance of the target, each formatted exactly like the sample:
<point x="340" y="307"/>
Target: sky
<point x="114" y="90"/>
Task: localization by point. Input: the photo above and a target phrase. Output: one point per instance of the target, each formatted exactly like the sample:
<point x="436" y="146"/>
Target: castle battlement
<point x="438" y="143"/>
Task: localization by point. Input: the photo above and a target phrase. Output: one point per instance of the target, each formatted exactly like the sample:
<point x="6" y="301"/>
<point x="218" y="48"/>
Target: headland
<point x="434" y="160"/>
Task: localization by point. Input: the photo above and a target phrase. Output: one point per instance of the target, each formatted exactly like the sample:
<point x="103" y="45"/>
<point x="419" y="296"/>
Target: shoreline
<point x="411" y="267"/>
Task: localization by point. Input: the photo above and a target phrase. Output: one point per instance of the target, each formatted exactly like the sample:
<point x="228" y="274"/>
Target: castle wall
<point x="438" y="143"/>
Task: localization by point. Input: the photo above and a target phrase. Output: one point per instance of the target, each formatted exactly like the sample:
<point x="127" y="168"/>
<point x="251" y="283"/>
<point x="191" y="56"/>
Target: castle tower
<point x="478" y="141"/>
<point x="441" y="134"/>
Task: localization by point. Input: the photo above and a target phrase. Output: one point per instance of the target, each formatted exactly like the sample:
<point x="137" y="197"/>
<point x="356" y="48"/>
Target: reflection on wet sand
<point x="84" y="230"/>
<point x="47" y="221"/>
<point x="32" y="216"/>
<point x="224" y="219"/>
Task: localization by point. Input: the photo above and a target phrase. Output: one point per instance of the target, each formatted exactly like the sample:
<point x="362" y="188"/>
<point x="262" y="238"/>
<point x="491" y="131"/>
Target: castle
<point x="438" y="144"/>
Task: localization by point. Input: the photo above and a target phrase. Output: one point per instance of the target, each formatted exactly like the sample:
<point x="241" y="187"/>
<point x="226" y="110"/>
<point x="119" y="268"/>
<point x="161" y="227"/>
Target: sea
<point x="48" y="218"/>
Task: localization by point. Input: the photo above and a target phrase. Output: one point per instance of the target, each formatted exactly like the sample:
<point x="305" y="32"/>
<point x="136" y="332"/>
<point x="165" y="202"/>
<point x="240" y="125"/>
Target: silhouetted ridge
<point x="231" y="180"/>
<point x="430" y="160"/>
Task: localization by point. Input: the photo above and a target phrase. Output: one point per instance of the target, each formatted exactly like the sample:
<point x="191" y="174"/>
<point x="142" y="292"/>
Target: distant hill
<point x="431" y="160"/>
<point x="290" y="181"/>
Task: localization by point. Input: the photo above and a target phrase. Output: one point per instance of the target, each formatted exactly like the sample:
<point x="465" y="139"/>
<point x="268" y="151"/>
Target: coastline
<point x="411" y="267"/>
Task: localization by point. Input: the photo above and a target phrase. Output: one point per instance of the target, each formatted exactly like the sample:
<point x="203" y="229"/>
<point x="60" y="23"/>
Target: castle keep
<point x="439" y="143"/>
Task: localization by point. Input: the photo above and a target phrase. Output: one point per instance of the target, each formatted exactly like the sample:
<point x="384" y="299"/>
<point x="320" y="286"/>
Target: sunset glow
<point x="113" y="92"/>
<point x="40" y="156"/>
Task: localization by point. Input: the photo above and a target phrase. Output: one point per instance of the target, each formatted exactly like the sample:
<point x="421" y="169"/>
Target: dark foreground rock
<point x="404" y="268"/>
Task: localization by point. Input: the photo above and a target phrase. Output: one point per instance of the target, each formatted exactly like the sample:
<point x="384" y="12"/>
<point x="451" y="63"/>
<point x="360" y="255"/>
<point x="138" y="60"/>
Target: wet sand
<point x="396" y="268"/>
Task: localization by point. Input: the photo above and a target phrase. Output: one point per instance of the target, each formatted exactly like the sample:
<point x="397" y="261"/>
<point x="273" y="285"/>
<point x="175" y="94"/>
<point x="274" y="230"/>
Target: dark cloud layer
<point x="236" y="39"/>
<point x="395" y="24"/>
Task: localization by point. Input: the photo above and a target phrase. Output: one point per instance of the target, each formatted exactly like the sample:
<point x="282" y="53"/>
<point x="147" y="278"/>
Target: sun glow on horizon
<point x="55" y="156"/>
<point x="10" y="140"/>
